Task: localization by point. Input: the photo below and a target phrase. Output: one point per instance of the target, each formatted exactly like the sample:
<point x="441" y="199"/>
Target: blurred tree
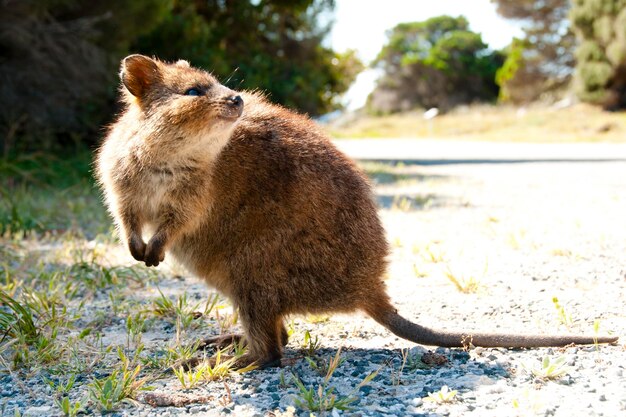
<point x="58" y="63"/>
<point x="59" y="58"/>
<point x="542" y="62"/>
<point x="272" y="45"/>
<point x="435" y="63"/>
<point x="601" y="68"/>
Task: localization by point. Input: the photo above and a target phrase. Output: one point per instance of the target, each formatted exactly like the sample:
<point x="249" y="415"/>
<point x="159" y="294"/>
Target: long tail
<point x="408" y="330"/>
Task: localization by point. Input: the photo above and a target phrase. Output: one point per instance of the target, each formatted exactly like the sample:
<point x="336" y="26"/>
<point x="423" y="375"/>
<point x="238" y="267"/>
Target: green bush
<point x="601" y="68"/>
<point x="435" y="63"/>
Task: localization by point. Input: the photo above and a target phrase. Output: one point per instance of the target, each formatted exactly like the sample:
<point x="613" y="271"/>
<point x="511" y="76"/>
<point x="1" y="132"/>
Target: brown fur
<point x="262" y="206"/>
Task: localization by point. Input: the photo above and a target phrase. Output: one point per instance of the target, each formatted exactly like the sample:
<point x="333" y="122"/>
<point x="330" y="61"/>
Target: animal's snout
<point x="235" y="101"/>
<point x="235" y="105"/>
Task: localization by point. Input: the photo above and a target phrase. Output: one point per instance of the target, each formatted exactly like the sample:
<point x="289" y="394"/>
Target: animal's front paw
<point x="155" y="251"/>
<point x="137" y="247"/>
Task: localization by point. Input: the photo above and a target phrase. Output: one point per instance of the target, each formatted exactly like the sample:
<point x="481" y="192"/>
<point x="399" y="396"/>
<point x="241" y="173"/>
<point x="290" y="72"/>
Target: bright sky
<point x="361" y="25"/>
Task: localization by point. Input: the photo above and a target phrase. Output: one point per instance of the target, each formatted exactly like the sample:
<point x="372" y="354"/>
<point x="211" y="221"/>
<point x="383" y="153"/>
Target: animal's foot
<point x="137" y="247"/>
<point x="155" y="251"/>
<point x="221" y="341"/>
<point x="248" y="360"/>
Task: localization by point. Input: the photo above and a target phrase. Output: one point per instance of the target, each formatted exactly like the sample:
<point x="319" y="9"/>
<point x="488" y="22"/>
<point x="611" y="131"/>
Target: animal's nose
<point x="235" y="101"/>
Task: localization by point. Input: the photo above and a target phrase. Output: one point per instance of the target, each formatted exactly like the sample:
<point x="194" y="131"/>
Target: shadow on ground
<point x="396" y="385"/>
<point x="397" y="186"/>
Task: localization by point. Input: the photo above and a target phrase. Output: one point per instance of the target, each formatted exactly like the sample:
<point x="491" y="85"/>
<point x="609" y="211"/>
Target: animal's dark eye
<point x="193" y="92"/>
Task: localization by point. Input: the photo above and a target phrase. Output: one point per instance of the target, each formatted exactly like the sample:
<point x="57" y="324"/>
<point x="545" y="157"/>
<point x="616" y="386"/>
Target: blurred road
<point x="443" y="151"/>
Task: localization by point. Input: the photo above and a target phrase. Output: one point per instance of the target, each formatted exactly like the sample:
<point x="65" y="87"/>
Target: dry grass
<point x="537" y="123"/>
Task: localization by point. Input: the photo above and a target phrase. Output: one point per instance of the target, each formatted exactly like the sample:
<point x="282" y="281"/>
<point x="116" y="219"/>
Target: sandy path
<point x="529" y="223"/>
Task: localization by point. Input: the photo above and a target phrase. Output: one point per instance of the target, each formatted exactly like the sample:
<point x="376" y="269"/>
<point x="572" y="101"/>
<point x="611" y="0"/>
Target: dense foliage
<point x="275" y="46"/>
<point x="601" y="69"/>
<point x="435" y="63"/>
<point x="542" y="62"/>
<point x="59" y="58"/>
<point x="58" y="64"/>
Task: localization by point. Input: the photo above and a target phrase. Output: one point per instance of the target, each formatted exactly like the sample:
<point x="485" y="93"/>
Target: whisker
<point x="231" y="76"/>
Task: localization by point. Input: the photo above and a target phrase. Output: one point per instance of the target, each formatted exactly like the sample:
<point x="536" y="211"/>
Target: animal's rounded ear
<point x="138" y="74"/>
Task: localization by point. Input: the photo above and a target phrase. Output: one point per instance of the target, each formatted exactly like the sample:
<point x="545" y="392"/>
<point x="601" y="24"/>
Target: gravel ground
<point x="521" y="234"/>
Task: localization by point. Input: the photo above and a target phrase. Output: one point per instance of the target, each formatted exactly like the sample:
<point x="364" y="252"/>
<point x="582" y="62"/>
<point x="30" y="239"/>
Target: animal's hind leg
<point x="264" y="336"/>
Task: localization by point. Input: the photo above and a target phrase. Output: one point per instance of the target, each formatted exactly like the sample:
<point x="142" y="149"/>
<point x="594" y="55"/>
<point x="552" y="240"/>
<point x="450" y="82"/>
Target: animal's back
<point x="292" y="219"/>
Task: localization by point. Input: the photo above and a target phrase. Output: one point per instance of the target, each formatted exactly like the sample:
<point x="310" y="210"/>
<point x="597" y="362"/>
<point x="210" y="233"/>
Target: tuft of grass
<point x="410" y="361"/>
<point x="563" y="316"/>
<point x="465" y="284"/>
<point x="550" y="368"/>
<point x="418" y="271"/>
<point x="444" y="395"/>
<point x="17" y="321"/>
<point x="567" y="253"/>
<point x="282" y="381"/>
<point x="191" y="377"/>
<point x="168" y="357"/>
<point x="517" y="239"/>
<point x="31" y="341"/>
<point x="68" y="408"/>
<point x="413" y="361"/>
<point x="596" y="332"/>
<point x="396" y="376"/>
<point x="136" y="324"/>
<point x="180" y="311"/>
<point x="205" y="371"/>
<point x="61" y="392"/>
<point x="164" y="306"/>
<point x="325" y="366"/>
<point x="220" y="369"/>
<point x="226" y="321"/>
<point x="310" y="344"/>
<point x="95" y="276"/>
<point x="433" y="254"/>
<point x="325" y="397"/>
<point x="122" y="386"/>
<point x="61" y="388"/>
